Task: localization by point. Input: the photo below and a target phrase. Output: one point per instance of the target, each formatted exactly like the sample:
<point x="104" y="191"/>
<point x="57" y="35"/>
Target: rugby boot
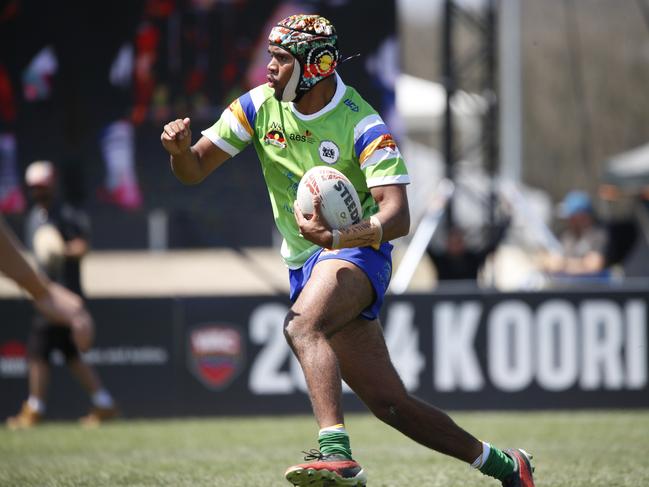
<point x="331" y="470"/>
<point x="522" y="475"/>
<point x="97" y="415"/>
<point x="26" y="418"/>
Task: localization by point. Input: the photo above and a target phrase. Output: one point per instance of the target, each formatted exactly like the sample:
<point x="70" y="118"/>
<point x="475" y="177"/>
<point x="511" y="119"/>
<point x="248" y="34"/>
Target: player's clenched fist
<point x="176" y="136"/>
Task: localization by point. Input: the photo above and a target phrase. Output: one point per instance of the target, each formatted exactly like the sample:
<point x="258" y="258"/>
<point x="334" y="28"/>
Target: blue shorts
<point x="377" y="265"/>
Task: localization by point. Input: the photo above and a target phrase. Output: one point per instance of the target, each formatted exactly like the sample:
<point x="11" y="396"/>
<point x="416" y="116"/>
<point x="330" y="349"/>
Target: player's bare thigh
<point x="337" y="292"/>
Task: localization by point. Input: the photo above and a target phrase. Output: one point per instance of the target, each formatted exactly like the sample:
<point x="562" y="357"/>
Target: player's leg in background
<point x="103" y="405"/>
<point x="33" y="408"/>
<point x="85" y="375"/>
<point x="39" y="379"/>
<point x="334" y="295"/>
<point x="38" y="367"/>
<point x="39" y="347"/>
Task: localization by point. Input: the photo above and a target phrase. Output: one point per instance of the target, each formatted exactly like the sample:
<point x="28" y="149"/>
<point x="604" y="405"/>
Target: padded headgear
<point x="313" y="41"/>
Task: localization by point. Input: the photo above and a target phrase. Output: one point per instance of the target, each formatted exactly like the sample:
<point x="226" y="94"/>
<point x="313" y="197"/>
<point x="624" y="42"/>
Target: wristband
<point x="364" y="234"/>
<point x="377" y="223"/>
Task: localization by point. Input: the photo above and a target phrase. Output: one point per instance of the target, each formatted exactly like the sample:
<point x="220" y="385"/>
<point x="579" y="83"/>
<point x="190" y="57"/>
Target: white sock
<point x="337" y="428"/>
<point x="36" y="404"/>
<point x="480" y="461"/>
<point x="102" y="399"/>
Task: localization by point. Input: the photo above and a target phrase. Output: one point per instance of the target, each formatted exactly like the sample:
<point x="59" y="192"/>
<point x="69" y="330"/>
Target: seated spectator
<point x="583" y="241"/>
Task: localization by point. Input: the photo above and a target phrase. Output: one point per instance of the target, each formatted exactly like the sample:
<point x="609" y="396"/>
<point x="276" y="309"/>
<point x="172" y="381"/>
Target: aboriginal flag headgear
<point x="313" y="41"/>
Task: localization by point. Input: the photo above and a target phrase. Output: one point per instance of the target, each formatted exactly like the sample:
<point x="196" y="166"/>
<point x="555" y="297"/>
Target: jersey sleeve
<point x="236" y="127"/>
<point x="378" y="154"/>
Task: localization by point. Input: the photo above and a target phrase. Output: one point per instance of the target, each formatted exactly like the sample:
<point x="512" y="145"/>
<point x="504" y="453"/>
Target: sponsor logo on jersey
<point x="351" y="105"/>
<point x="329" y="151"/>
<point x="305" y="137"/>
<point x="215" y="354"/>
<point x="275" y="136"/>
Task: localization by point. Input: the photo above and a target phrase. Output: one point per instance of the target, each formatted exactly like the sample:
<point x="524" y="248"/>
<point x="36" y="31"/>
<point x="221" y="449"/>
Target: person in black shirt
<point x="456" y="261"/>
<point x="58" y="235"/>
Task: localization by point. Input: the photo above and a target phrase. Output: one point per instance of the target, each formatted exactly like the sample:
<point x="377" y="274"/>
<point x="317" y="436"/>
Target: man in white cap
<point x="58" y="235"/>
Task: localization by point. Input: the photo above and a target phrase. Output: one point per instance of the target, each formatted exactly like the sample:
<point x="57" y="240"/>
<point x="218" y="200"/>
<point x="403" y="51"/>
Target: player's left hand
<point x="315" y="229"/>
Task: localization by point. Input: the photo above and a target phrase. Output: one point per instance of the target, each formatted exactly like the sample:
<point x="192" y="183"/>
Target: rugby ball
<point x="341" y="205"/>
<point x="49" y="248"/>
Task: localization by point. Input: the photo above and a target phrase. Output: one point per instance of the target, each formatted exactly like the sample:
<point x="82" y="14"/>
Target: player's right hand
<point x="176" y="136"/>
<point x="315" y="228"/>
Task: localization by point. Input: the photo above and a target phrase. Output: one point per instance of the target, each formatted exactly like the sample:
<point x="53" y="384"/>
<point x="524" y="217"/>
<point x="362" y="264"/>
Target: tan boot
<point x="96" y="416"/>
<point x="26" y="418"/>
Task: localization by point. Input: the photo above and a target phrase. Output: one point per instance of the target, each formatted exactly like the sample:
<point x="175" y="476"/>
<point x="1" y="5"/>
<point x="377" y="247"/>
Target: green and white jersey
<point x="346" y="134"/>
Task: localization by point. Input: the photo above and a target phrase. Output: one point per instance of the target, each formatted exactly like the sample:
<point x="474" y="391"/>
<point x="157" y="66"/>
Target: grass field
<point x="594" y="449"/>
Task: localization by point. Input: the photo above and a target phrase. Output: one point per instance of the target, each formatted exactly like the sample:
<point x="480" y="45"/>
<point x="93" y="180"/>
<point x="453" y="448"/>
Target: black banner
<point x="227" y="355"/>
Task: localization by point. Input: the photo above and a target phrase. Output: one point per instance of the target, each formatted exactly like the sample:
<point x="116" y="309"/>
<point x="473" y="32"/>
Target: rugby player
<point x="305" y="115"/>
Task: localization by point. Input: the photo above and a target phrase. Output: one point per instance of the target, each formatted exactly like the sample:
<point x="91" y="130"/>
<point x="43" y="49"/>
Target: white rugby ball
<point x="49" y="248"/>
<point x="341" y="205"/>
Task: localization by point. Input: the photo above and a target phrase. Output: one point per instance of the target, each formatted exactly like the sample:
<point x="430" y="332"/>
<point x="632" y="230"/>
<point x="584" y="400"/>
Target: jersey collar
<point x="338" y="95"/>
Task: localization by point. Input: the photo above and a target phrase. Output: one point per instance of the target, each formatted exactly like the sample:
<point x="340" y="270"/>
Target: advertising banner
<point x="228" y="355"/>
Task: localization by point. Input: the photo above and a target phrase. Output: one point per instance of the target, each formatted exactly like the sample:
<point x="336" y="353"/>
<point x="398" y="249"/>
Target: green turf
<point x="594" y="449"/>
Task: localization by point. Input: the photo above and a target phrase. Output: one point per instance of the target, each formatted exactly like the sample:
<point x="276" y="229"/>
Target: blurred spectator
<point x="584" y="240"/>
<point x="58" y="235"/>
<point x="457" y="261"/>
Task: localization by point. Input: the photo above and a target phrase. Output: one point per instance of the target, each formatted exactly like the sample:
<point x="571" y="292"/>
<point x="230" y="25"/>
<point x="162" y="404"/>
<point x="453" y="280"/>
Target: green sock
<point x="335" y="440"/>
<point x="498" y="465"/>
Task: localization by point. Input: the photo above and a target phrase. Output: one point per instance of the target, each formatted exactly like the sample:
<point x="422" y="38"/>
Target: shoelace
<point x="313" y="454"/>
